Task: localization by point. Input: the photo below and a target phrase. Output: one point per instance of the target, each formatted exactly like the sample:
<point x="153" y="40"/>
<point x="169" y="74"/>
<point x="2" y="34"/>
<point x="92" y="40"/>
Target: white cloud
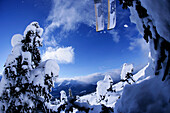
<point x="95" y="77"/>
<point x="67" y="15"/>
<point x="61" y="54"/>
<point x="139" y="43"/>
<point x="52" y="42"/>
<point x="115" y="35"/>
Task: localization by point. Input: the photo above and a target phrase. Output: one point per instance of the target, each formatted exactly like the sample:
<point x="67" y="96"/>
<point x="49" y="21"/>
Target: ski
<point x="111" y="14"/>
<point x="99" y="15"/>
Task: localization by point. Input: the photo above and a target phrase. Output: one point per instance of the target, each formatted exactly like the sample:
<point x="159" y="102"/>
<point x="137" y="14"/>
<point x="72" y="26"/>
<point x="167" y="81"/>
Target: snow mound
<point x="150" y="96"/>
<point x="16" y="39"/>
<point x="16" y="50"/>
<point x="50" y="66"/>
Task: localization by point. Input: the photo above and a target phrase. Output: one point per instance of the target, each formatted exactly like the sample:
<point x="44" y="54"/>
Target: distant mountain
<point x="94" y="78"/>
<point x="82" y="85"/>
<point x="77" y="87"/>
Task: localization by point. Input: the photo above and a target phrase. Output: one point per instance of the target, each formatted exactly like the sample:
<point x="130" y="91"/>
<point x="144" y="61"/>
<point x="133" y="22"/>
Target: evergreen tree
<point x="73" y="103"/>
<point x="103" y="88"/>
<point x="126" y="74"/>
<point x="21" y="90"/>
<point x="63" y="97"/>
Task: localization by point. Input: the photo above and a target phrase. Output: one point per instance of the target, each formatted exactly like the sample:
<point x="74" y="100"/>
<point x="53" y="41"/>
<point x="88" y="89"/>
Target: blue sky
<point x="69" y="26"/>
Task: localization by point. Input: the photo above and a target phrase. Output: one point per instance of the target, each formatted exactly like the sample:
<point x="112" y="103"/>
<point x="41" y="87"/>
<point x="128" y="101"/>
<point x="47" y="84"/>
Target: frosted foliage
<point x="16" y="39"/>
<point x="16" y="50"/>
<point x="153" y="23"/>
<point x="17" y="89"/>
<point x="103" y="86"/>
<point x="159" y="11"/>
<point x="37" y="76"/>
<point x="39" y="79"/>
<point x="2" y="85"/>
<point x="150" y="69"/>
<point x="135" y="19"/>
<point x="34" y="26"/>
<point x="26" y="57"/>
<point x="40" y="31"/>
<point x="127" y="68"/>
<point x="36" y="31"/>
<point x="50" y="66"/>
<point x="31" y="27"/>
<point x="10" y="60"/>
<point x="25" y="77"/>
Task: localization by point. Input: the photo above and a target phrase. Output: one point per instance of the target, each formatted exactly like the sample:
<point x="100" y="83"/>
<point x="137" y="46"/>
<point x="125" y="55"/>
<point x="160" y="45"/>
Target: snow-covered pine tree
<point x="126" y="74"/>
<point x="21" y="91"/>
<point x="127" y="68"/>
<point x="103" y="87"/>
<point x="63" y="96"/>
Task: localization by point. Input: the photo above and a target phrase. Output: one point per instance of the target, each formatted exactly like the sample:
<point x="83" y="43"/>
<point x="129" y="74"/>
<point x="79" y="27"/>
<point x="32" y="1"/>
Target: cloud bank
<point x="62" y="55"/>
<point x="139" y="43"/>
<point x="67" y="15"/>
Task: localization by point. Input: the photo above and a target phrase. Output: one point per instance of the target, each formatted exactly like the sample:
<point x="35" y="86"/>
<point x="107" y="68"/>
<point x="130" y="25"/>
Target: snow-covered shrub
<point x="68" y="104"/>
<point x="103" y="87"/>
<point x="63" y="96"/>
<point x="126" y="74"/>
<point x="26" y="82"/>
<point x="73" y="104"/>
<point x="127" y="68"/>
